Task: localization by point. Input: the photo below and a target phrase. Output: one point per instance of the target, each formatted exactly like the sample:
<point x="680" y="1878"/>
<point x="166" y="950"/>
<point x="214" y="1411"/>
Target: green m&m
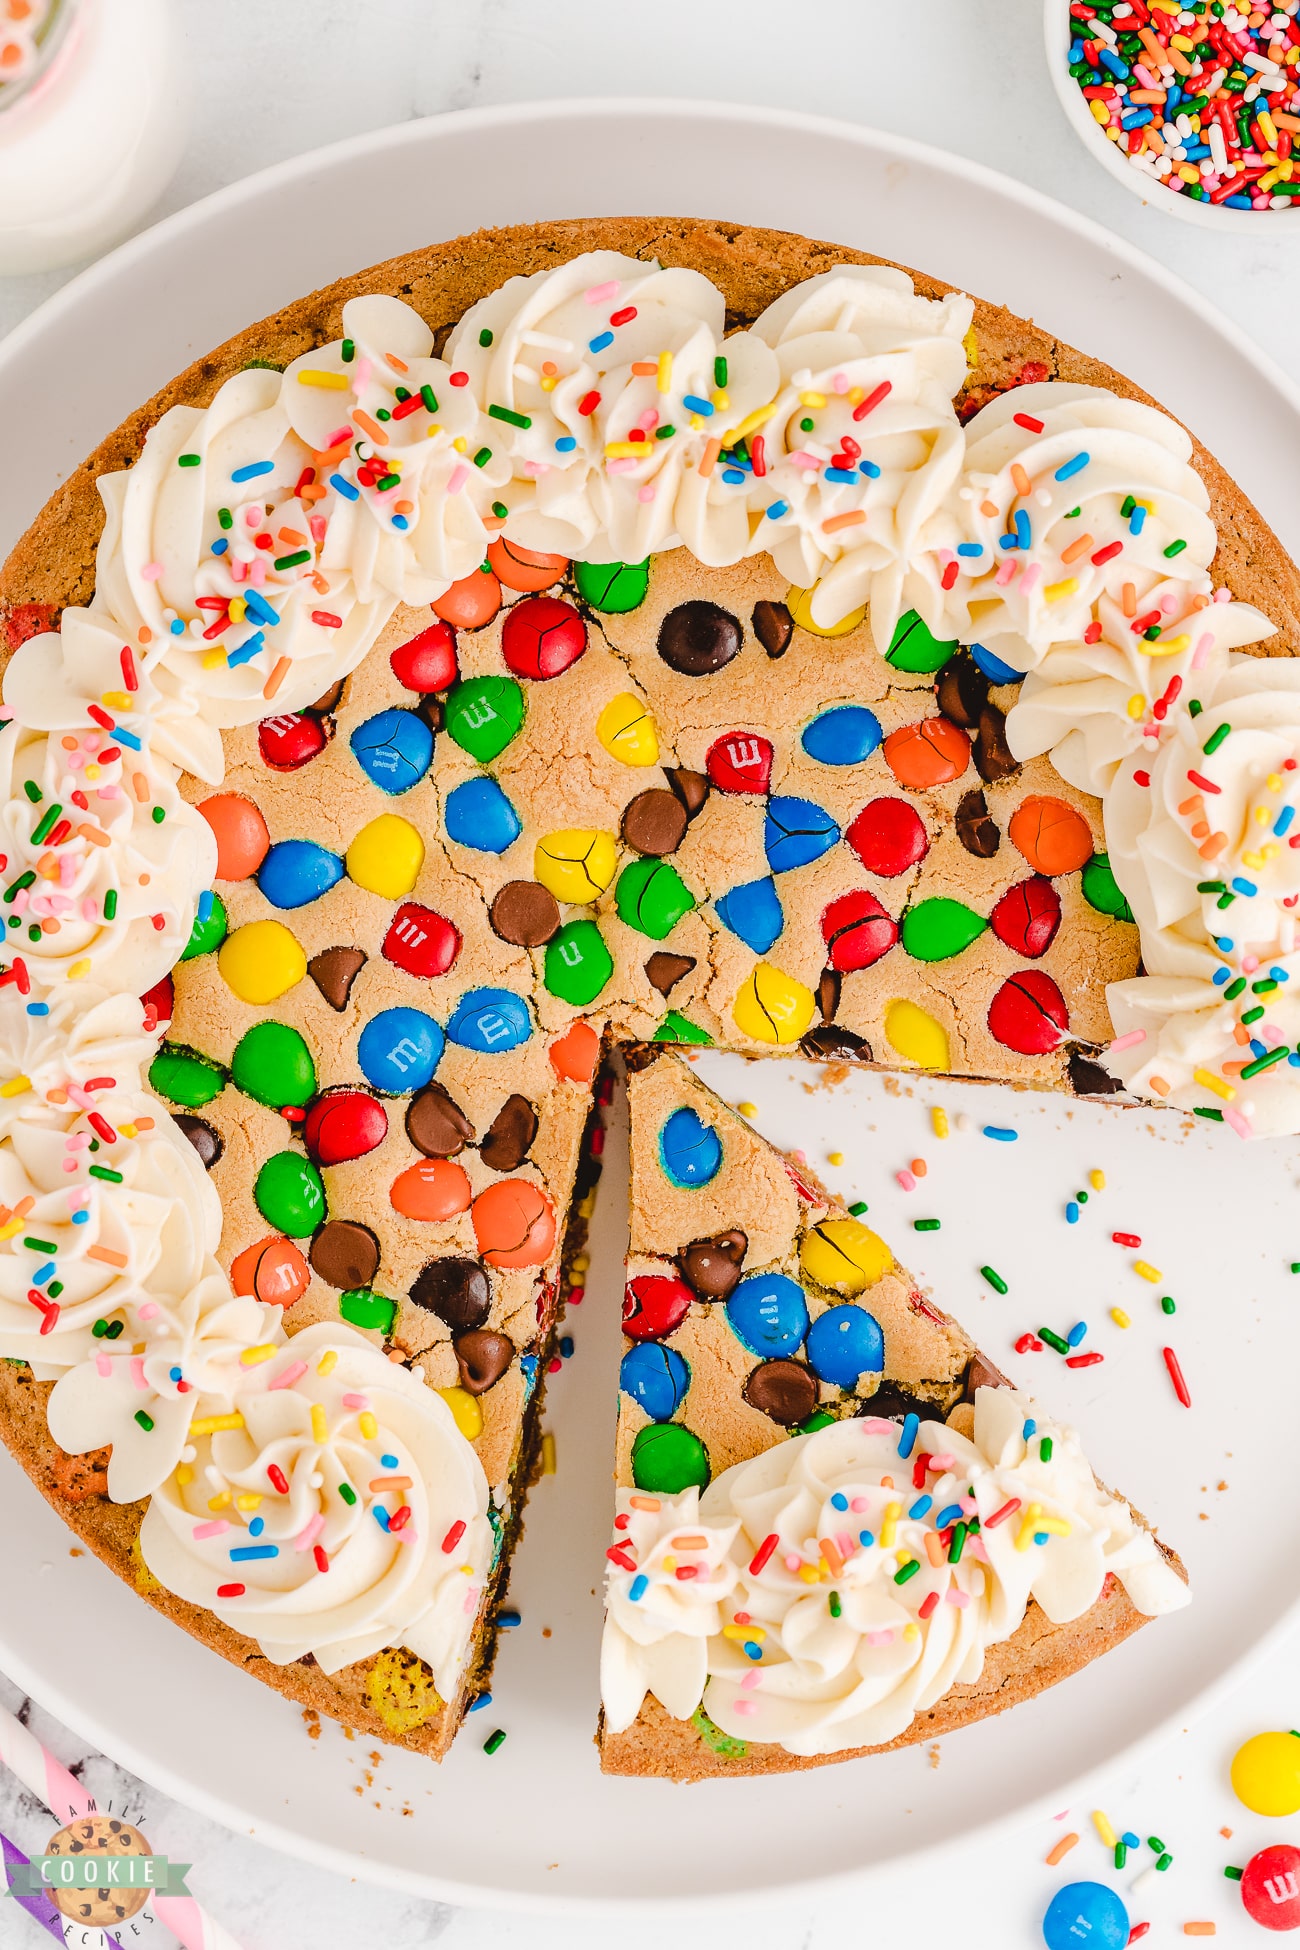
<point x="368" y="1310"/>
<point x="182" y="1076"/>
<point x="652" y="897"/>
<point x="273" y="1064"/>
<point x="914" y="647"/>
<point x="677" y="1028"/>
<point x="668" y="1458"/>
<point x="290" y="1194"/>
<point x="578" y="964"/>
<point x="207" y="933"/>
<point x="613" y="587"/>
<point x="484" y="714"/>
<point x="1101" y="889"/>
<point x="937" y="929"/>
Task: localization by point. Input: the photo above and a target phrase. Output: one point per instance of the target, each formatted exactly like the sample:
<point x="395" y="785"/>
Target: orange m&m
<point x="271" y="1270"/>
<point x="434" y="1189"/>
<point x="575" y="1055"/>
<point x="524" y="568"/>
<point x="933" y="752"/>
<point x="471" y="603"/>
<point x="514" y="1223"/>
<point x="240" y="832"/>
<point x="1053" y="837"/>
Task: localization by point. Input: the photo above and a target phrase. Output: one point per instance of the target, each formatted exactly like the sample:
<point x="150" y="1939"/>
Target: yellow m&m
<point x="576" y="866"/>
<point x="916" y="1036"/>
<point x="844" y="1255"/>
<point x="799" y="602"/>
<point x="627" y="731"/>
<point x="466" y="1411"/>
<point x="386" y="857"/>
<point x="772" y="1007"/>
<point x="261" y="960"/>
<point x="1266" y="1774"/>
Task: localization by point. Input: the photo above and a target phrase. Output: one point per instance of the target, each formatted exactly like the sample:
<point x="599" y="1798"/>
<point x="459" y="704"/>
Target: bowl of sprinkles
<point x="1194" y="107"/>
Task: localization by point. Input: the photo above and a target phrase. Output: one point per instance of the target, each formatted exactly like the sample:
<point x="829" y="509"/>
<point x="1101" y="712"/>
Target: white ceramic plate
<point x="537" y="1823"/>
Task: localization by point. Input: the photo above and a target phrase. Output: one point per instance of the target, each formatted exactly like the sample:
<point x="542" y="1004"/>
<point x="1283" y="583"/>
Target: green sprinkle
<point x="1054" y="1340"/>
<point x="347" y="1492"/>
<point x="1265" y="987"/>
<point x="1252" y="1015"/>
<point x="720" y="372"/>
<point x="925" y="1225"/>
<point x="1164" y="1861"/>
<point x="293" y="561"/>
<point x="402" y="394"/>
<point x="40" y="1245"/>
<point x="1121" y="1855"/>
<point x="908" y="1571"/>
<point x="481" y="459"/>
<point x="500" y="510"/>
<point x="1045" y="1449"/>
<point x="1149" y="636"/>
<point x="665" y="433"/>
<point x="225" y="518"/>
<point x="858" y="1207"/>
<point x="429" y="399"/>
<point x="33" y="791"/>
<point x="806" y="426"/>
<point x="1155" y="1844"/>
<point x="1264" y="1062"/>
<point x="349" y="351"/>
<point x="1210" y="887"/>
<point x="54" y="1289"/>
<point x="485" y="337"/>
<point x="115" y="1330"/>
<point x="1234" y="989"/>
<point x="157" y="814"/>
<point x="110" y="904"/>
<point x="995" y="1280"/>
<point x="959" y="1531"/>
<point x="389" y="481"/>
<point x="1215" y="739"/>
<point x="99" y="1329"/>
<point x="1194" y="707"/>
<point x="511" y="418"/>
<point x="1233" y="1875"/>
<point x="145" y="1421"/>
<point x="1225" y="900"/>
<point x="48" y="821"/>
<point x="382" y="413"/>
<point x="1175" y="548"/>
<point x="1082" y="1197"/>
<point x="1167" y="1304"/>
<point x="494" y="1740"/>
<point x="833" y="1604"/>
<point x="103" y="1171"/>
<point x="188" y="460"/>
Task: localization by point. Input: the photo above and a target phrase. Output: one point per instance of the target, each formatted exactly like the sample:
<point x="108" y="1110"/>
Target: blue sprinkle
<point x="1237" y="203"/>
<point x="566" y="443"/>
<point x="1008" y="541"/>
<point x="175" y="1373"/>
<point x="127" y="738"/>
<point x="1072" y="467"/>
<point x="219" y="548"/>
<point x="638" y="1587"/>
<point x="343" y="486"/>
<point x="1137" y="520"/>
<point x="1024" y="534"/>
<point x="949" y="1514"/>
<point x="484" y="1699"/>
<point x="1278" y="975"/>
<point x="1077" y="1333"/>
<point x="1072" y="1214"/>
<point x="80" y="1218"/>
<point x="1029" y="1429"/>
<point x="1195" y="154"/>
<point x="1136" y="119"/>
<point x="1000" y="1133"/>
<point x="907" y="1440"/>
<point x="507" y="1620"/>
<point x="44" y="1273"/>
<point x="205" y="906"/>
<point x="248" y="649"/>
<point x="380" y="1515"/>
<point x="258" y="608"/>
<point x="1241" y="886"/>
<point x="753" y="1651"/>
<point x="777" y="509"/>
<point x="839" y="1501"/>
<point x="601" y="340"/>
<point x="1040" y="1536"/>
<point x="1221" y="975"/>
<point x="922" y="1507"/>
<point x="254" y="468"/>
<point x="566" y="1345"/>
<point x="694" y="404"/>
<point x="38" y="1008"/>
<point x="1294" y="1059"/>
<point x="839" y="474"/>
<point x="176" y="626"/>
<point x="866" y="1539"/>
<point x="247" y="1552"/>
<point x="1130" y="1840"/>
<point x="400" y="521"/>
<point x="733" y="476"/>
<point x="970" y="548"/>
<point x="1111" y="60"/>
<point x="869" y="468"/>
<point x="257" y="1526"/>
<point x="1257" y="1048"/>
<point x="1225" y="944"/>
<point x="388" y="1462"/>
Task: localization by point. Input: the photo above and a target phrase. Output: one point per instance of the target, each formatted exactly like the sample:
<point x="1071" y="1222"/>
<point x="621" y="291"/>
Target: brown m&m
<point x="206" y="1141"/>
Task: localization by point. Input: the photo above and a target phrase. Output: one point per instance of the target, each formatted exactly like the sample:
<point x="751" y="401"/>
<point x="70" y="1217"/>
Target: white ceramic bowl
<point x="1210" y="216"/>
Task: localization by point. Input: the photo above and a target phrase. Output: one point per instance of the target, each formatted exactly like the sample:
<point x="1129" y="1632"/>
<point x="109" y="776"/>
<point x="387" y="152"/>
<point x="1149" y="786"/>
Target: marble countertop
<point x="968" y="75"/>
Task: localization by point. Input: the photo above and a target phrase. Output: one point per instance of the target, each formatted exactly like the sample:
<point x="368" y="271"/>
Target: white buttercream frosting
<point x="811" y="1642"/>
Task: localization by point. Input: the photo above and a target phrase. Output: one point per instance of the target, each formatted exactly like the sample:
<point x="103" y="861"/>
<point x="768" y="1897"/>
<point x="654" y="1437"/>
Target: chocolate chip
<point x="432" y="709"/>
<point x="664" y="971"/>
<point x="457" y="1290"/>
<point x="692" y="788"/>
<point x="894" y="1403"/>
<point x="328" y="700"/>
<point x="654" y="823"/>
<point x="982" y="1374"/>
<point x="207" y="1142"/>
<point x="773" y="626"/>
<point x="991" y="752"/>
<point x="345" y="1254"/>
<point x="510" y="1135"/>
<point x="831" y="1043"/>
<point x="829" y="985"/>
<point x="962" y="690"/>
<point x="1087" y="1079"/>
<point x="334" y="970"/>
<point x="436" y="1124"/>
<point x="698" y="638"/>
<point x="711" y="1267"/>
<point x="784" y="1390"/>
<point x="975" y="829"/>
<point x="482" y="1358"/>
<point x="525" y="913"/>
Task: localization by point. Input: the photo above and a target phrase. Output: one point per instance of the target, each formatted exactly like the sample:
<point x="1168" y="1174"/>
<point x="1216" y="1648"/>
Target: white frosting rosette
<point x="816" y="1518"/>
<point x="862" y="447"/>
<point x="1203" y="854"/>
<point x="50" y="1050"/>
<point x="1091" y="705"/>
<point x="336" y="1511"/>
<point x="658" y="1626"/>
<point x="97" y="1233"/>
<point x="1069" y="492"/>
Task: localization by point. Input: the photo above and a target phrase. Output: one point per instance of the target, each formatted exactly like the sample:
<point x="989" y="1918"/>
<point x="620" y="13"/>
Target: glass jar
<point x="91" y="124"/>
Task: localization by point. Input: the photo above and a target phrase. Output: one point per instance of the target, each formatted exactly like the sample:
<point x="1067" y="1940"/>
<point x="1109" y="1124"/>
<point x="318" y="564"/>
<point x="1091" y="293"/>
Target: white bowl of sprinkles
<point x="1252" y="75"/>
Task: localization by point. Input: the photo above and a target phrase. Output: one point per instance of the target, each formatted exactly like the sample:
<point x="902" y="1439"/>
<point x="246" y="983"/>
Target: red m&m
<point x="655" y="1305"/>
<point x="857" y="930"/>
<point x="542" y="637"/>
<point x="740" y="761"/>
<point x="889" y="837"/>
<point x="1028" y="1013"/>
<point x="421" y="941"/>
<point x="344" y="1124"/>
<point x="428" y="661"/>
<point x="288" y="742"/>
<point x="1270" y="1887"/>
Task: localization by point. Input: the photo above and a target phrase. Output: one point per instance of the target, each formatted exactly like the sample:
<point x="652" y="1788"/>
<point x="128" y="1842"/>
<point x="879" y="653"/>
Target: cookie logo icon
<point x="110" y="1901"/>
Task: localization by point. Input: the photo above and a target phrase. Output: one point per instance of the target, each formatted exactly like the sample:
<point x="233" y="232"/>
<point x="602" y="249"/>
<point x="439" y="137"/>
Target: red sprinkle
<point x="460" y="379"/>
<point x="1027" y="422"/>
<point x="949" y="575"/>
<point x="322" y="1561"/>
<point x="1176" y="1376"/>
<point x="763" y="1553"/>
<point x="1093" y="633"/>
<point x="1141" y="778"/>
<point x="927" y="1605"/>
<point x="1107" y="554"/>
<point x="400" y="1518"/>
<point x="100" y="1083"/>
<point x="1139" y="1930"/>
<point x="1029" y="1344"/>
<point x="100" y="717"/>
<point x="873" y="399"/>
<point x="1083" y="1360"/>
<point x="1126" y="1238"/>
<point x="1206" y="785"/>
<point x="589" y="402"/>
<point x="327" y="619"/>
<point x="686" y="1571"/>
<point x="127" y="662"/>
<point x="617" y="1554"/>
<point x="101" y="1126"/>
<point x="454" y="1535"/>
<point x="623" y="317"/>
<point x="279" y="1481"/>
<point x="231" y="1590"/>
<point x="1008" y="1509"/>
<point x="919" y="1468"/>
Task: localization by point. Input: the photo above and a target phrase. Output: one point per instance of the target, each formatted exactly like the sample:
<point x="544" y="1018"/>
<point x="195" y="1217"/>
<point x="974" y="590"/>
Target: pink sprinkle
<point x="69" y="1164"/>
<point x="213" y="1529"/>
<point x="361" y="372"/>
<point x="1270" y="1034"/>
<point x="152" y="571"/>
<point x="802" y="458"/>
<point x="859" y="1504"/>
<point x="744" y="1706"/>
<point x="1033" y="572"/>
<point x="103" y="1366"/>
<point x="1130" y="1041"/>
<point x="1223" y="595"/>
<point x="749" y="1681"/>
<point x="959" y="1598"/>
<point x="793" y="1561"/>
<point x="647" y="493"/>
<point x="471" y="1598"/>
<point x="598" y="293"/>
<point x="1240" y="1124"/>
<point x="841" y="382"/>
<point x="309" y="1533"/>
<point x="937" y="1464"/>
<point x="339" y="435"/>
<point x="846" y="1543"/>
<point x="881" y="1638"/>
<point x="137" y="1372"/>
<point x="1249" y="963"/>
<point x="627" y="465"/>
<point x="294" y="1372"/>
<point x="356" y="1401"/>
<point x="459" y="476"/>
<point x="148" y="1310"/>
<point x="875" y="1425"/>
<point x="1007" y="573"/>
<point x="906" y="1180"/>
<point x="1204" y="645"/>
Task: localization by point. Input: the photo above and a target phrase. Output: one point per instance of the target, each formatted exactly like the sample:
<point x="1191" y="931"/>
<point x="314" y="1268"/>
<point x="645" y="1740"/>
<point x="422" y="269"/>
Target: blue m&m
<point x="689" y="1149"/>
<point x="796" y="832"/>
<point x="845" y="1343"/>
<point x="844" y="735"/>
<point x="478" y="814"/>
<point x="393" y="748"/>
<point x="997" y="673"/>
<point x="768" y="1314"/>
<point x="1085" y="1916"/>
<point x="297" y="871"/>
<point x="754" y="913"/>
<point x="656" y="1377"/>
<point x="399" y="1050"/>
<point x="490" y="1020"/>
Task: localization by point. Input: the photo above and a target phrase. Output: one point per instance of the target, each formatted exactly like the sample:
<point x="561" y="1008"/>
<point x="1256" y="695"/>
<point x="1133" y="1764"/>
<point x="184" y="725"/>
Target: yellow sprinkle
<point x="211" y="658"/>
<point x="1209" y="1081"/>
<point x="809" y="1573"/>
<point x="221" y="1502"/>
<point x="368" y="1426"/>
<point x="812" y="399"/>
<point x="238" y="608"/>
<point x="1137" y="705"/>
<point x="15" y="1225"/>
<point x="15" y="1086"/>
<point x="747" y="1109"/>
<point x="663" y="372"/>
<point x="251" y="1356"/>
<point x="1100" y="113"/>
<point x="754" y="1632"/>
<point x="328" y="1362"/>
<point x="432" y="431"/>
<point x="577" y="1278"/>
<point x="1104" y="1829"/>
<point x="319" y="1425"/>
<point x="753" y="421"/>
<point x="581" y="1263"/>
<point x="548" y="1454"/>
<point x="184" y="1474"/>
<point x="128" y="1130"/>
<point x="893" y="1511"/>
<point x="116" y="701"/>
<point x="1028" y="1525"/>
<point x="1267" y="129"/>
<point x="1119" y="1317"/>
<point x="670" y="1564"/>
<point x="1055" y="1526"/>
<point x="1097" y="1179"/>
<point x="250" y="1500"/>
<point x="627" y="449"/>
<point x="1056" y="590"/>
<point x="1146" y="1271"/>
<point x="213" y="1424"/>
<point x="911" y="1633"/>
<point x="79" y="968"/>
<point x="835" y="1157"/>
<point x="1274" y="781"/>
<point x="461" y="444"/>
<point x="333" y="382"/>
<point x="939" y="1120"/>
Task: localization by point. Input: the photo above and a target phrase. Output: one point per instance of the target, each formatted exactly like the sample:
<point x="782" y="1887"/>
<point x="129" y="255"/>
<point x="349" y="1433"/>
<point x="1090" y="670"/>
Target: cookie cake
<point x="587" y="638"/>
